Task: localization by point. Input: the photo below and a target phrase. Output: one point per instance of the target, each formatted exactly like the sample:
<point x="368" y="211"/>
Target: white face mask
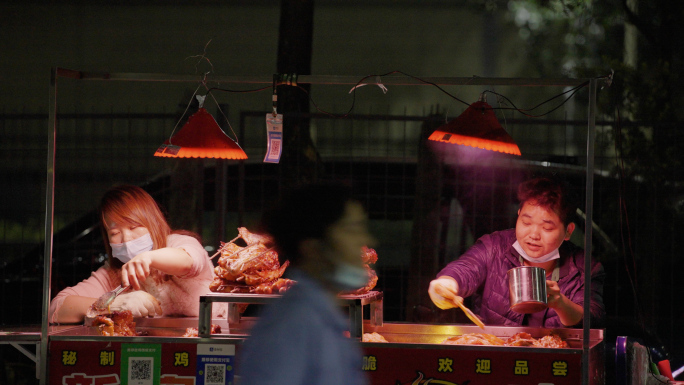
<point x="348" y="277"/>
<point x="544" y="258"/>
<point x="124" y="252"/>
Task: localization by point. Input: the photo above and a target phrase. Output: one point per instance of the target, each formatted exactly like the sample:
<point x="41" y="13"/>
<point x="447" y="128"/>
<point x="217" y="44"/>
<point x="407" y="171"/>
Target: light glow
<point x="477" y="127"/>
<point x="201" y="137"/>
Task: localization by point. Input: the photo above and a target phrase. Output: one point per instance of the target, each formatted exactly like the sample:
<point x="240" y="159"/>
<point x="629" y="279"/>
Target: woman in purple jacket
<point x="544" y="223"/>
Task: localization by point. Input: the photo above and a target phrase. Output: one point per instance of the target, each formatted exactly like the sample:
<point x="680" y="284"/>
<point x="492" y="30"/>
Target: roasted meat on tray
<point x="193" y="332"/>
<point x="474" y="339"/>
<point x="252" y="268"/>
<point x="368" y="256"/>
<point x="552" y="340"/>
<point x="118" y="323"/>
<point x="373" y="337"/>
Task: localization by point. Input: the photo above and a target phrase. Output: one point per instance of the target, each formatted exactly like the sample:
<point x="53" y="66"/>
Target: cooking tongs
<point x="107" y="298"/>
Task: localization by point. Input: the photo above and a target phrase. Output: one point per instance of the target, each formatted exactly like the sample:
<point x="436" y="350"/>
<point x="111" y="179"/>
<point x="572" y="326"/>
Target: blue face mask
<point x="348" y="277"/>
<point x="124" y="252"/>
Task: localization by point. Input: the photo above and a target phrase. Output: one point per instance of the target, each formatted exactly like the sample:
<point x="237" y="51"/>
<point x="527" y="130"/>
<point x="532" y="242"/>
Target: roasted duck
<point x="252" y="268"/>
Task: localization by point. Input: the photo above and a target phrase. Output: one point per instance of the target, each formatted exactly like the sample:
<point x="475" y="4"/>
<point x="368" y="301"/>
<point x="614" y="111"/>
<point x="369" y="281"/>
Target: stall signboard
<point x="175" y="363"/>
<point x="399" y="366"/>
<point x="114" y="363"/>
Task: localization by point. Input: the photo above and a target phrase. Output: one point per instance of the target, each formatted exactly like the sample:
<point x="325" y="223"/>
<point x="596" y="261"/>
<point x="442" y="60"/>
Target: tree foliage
<point x="586" y="38"/>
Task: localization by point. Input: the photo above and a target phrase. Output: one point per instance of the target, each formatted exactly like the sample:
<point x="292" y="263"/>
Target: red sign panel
<point x="100" y="363"/>
<point x="113" y="363"/>
<point x="394" y="366"/>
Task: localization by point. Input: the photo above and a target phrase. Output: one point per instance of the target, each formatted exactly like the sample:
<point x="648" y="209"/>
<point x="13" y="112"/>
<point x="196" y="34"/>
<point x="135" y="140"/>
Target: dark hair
<point x="551" y="194"/>
<point x="302" y="213"/>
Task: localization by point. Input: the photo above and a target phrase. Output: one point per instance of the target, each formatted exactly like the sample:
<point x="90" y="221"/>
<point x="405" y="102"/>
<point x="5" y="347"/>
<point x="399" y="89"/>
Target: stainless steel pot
<point x="527" y="287"/>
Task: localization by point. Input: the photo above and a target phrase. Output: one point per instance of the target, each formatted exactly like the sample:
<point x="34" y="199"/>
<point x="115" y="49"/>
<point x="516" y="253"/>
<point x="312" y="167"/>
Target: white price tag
<point x="274" y="138"/>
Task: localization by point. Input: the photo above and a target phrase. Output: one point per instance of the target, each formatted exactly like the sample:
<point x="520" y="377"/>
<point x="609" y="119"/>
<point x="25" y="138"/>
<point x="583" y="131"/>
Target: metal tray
<point x="163" y="327"/>
<point x="406" y="333"/>
<point x="355" y="303"/>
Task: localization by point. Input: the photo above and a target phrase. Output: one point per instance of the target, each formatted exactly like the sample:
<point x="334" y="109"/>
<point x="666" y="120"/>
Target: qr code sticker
<point x="214" y="374"/>
<point x="140" y="370"/>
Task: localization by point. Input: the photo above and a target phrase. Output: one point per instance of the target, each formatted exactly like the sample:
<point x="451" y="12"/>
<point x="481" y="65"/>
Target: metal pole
<point x="392" y="79"/>
<point x="589" y="197"/>
<point x="49" y="218"/>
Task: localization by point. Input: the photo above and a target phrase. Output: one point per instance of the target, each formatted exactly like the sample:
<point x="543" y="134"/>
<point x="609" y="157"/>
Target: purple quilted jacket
<point x="481" y="272"/>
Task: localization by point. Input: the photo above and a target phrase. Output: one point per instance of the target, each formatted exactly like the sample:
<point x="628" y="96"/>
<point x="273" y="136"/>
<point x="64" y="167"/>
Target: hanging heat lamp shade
<point x="477" y="127"/>
<point x="201" y="137"/>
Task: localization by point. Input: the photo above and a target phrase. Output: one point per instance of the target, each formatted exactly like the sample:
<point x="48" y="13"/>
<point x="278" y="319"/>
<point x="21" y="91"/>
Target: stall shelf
<point x="354" y="303"/>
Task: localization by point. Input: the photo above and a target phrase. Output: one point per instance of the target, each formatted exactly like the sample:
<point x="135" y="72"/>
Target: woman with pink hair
<point x="164" y="271"/>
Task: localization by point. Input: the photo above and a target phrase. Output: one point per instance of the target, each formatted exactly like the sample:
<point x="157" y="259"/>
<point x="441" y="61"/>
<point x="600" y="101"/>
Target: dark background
<point x="427" y="203"/>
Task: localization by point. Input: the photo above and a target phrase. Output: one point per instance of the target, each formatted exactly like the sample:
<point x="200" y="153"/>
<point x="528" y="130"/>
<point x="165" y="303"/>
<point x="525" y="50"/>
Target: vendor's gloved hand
<point x="140" y="303"/>
<point x="444" y="292"/>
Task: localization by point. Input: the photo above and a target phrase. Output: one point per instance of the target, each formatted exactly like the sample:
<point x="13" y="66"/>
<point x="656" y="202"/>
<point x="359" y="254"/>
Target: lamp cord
<point x="184" y="112"/>
<point x="525" y="112"/>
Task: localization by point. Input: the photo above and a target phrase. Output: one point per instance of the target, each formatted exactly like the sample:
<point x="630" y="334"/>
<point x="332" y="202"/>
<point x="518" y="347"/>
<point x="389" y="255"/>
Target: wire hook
<point x="274" y="98"/>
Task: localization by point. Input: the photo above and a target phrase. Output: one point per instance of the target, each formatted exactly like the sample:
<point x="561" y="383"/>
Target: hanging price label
<point x="274" y="137"/>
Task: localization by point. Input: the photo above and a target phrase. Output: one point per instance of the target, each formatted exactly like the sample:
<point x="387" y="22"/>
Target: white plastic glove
<point x="140" y="303"/>
<point x="444" y="293"/>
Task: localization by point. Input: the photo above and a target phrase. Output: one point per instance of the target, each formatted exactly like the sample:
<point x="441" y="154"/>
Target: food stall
<point x="413" y="352"/>
<point x="403" y="353"/>
<point x="160" y="353"/>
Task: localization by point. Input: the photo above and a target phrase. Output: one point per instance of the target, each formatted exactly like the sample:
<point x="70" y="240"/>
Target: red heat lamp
<point x="477" y="127"/>
<point x="201" y="137"/>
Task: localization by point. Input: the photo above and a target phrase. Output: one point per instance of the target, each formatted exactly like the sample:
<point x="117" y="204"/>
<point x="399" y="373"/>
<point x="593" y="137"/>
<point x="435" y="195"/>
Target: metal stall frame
<point x="318" y="80"/>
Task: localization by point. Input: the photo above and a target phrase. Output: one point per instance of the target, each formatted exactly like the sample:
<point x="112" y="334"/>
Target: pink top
<point x="178" y="295"/>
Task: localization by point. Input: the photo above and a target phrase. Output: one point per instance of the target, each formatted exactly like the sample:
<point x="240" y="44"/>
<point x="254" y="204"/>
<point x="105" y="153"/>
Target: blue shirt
<point x="299" y="339"/>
